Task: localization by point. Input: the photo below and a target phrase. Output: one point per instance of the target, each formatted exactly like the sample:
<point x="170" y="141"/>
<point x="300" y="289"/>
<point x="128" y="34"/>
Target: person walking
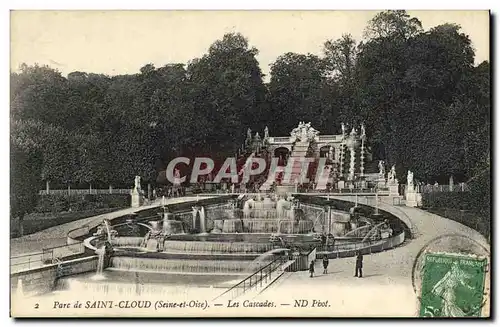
<point x="311" y="268"/>
<point x="359" y="265"/>
<point x="325" y="264"/>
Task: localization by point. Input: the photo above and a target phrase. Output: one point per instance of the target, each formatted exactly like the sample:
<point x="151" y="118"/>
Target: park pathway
<point x="386" y="288"/>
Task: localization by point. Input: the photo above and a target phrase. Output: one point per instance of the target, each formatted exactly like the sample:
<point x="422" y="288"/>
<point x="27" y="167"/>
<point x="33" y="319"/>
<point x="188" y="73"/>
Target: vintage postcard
<point x="250" y="164"/>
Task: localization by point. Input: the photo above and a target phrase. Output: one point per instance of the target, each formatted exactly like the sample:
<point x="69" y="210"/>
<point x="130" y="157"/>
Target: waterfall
<point x="108" y="229"/>
<point x="180" y="265"/>
<point x="101" y="252"/>
<point x="215" y="247"/>
<point x="152" y="244"/>
<point x="20" y="288"/>
<point x="195" y="213"/>
<point x="267" y="257"/>
<point x="203" y="228"/>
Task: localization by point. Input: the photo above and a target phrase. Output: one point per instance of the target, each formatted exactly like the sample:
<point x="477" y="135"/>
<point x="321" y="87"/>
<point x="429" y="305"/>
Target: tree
<point x="393" y="24"/>
<point x="300" y="90"/>
<point x="341" y="56"/>
<point x="25" y="174"/>
<point x="227" y="92"/>
<point x="414" y="93"/>
<point x="39" y="93"/>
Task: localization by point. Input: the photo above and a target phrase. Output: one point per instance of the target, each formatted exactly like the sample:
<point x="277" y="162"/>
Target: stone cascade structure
<point x="263" y="215"/>
<point x="298" y="154"/>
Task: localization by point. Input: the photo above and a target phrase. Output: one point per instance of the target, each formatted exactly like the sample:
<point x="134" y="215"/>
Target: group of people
<point x="358" y="270"/>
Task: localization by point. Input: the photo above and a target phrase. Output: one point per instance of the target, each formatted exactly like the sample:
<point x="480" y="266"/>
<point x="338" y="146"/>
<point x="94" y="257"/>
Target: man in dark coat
<point x="311" y="268"/>
<point x="359" y="265"/>
<point x="325" y="264"/>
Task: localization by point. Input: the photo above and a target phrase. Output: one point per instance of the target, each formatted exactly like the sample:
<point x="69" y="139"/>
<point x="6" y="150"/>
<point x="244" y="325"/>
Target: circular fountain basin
<point x="239" y="237"/>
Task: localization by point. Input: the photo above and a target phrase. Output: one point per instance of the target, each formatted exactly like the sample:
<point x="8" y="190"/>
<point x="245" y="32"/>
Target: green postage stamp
<point x="452" y="286"/>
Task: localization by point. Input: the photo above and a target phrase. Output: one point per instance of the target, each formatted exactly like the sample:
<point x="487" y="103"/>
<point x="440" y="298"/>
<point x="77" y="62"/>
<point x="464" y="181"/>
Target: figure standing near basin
<point x="311" y="269"/>
<point x="325" y="264"/>
<point x="359" y="265"/>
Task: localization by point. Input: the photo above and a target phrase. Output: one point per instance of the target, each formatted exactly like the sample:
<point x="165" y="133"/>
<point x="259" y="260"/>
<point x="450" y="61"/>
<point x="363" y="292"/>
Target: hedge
<point x="62" y="203"/>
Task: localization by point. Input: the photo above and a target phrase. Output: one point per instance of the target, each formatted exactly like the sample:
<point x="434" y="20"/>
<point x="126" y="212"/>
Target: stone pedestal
<point x="413" y="199"/>
<point x="381" y="183"/>
<point x="393" y="189"/>
<point x="363" y="184"/>
<point x="284" y="189"/>
<point x="341" y="185"/>
<point x="136" y="199"/>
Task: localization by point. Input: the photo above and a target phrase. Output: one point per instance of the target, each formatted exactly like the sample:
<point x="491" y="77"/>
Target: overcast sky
<point x="120" y="42"/>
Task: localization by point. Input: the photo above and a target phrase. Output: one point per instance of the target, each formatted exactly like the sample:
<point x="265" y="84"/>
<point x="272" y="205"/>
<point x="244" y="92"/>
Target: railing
<point x="324" y="138"/>
<point x="51" y="255"/>
<point x="366" y="247"/>
<point x="302" y="261"/>
<point x="257" y="279"/>
<point x="461" y="187"/>
<point x="25" y="261"/>
<point x="280" y="139"/>
<point x="84" y="191"/>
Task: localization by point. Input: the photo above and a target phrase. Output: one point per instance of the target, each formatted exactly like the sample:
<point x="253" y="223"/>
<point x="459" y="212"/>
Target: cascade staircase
<point x="299" y="152"/>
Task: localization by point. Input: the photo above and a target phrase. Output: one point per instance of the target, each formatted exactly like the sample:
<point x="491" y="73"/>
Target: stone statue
<point x="381" y="168"/>
<point x="248" y="140"/>
<point x="410" y="178"/>
<point x="266" y="133"/>
<point x="363" y="130"/>
<point x="258" y="143"/>
<point x="311" y="132"/>
<point x="177" y="177"/>
<point x="303" y="132"/>
<point x="392" y="174"/>
<point x="353" y="132"/>
<point x="137" y="185"/>
<point x="330" y="153"/>
<point x="257" y="137"/>
<point x="342" y="125"/>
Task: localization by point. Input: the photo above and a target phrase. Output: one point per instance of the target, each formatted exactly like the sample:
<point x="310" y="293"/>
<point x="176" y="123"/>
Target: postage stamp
<point x="452" y="286"/>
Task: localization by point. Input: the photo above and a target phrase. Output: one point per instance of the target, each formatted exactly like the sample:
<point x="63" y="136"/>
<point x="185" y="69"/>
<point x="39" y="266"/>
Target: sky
<point x="121" y="42"/>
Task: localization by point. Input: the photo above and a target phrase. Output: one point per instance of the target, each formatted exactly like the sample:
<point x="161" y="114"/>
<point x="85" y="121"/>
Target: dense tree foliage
<point x="426" y="108"/>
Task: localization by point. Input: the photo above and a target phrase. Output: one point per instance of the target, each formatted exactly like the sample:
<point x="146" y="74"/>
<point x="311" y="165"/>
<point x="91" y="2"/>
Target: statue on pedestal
<point x="303" y="132"/>
<point x="257" y="142"/>
<point x="248" y="140"/>
<point x="353" y="132"/>
<point x="137" y="197"/>
<point x="381" y="168"/>
<point x="342" y="125"/>
<point x="363" y="130"/>
<point x="311" y="132"/>
<point x="266" y="133"/>
<point x="137" y="183"/>
<point x="177" y="177"/>
<point x="391" y="176"/>
<point x="409" y="179"/>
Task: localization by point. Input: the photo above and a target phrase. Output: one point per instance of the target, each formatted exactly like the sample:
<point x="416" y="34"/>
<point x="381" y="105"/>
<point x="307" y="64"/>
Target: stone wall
<point x="42" y="280"/>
